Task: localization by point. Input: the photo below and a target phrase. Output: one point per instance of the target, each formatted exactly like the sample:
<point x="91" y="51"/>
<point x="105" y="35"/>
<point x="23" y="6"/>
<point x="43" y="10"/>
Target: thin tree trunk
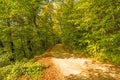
<point x="36" y="26"/>
<point x="22" y="46"/>
<point x="29" y="47"/>
<point x="10" y="40"/>
<point x="1" y="44"/>
<point x="10" y="37"/>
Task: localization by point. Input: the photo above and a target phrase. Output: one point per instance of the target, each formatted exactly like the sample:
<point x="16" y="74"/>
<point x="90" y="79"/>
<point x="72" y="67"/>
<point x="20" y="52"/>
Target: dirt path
<point x="61" y="65"/>
<point x="50" y="73"/>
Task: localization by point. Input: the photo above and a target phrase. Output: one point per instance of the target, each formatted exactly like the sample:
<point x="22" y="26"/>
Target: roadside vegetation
<point x="28" y="28"/>
<point x="19" y="70"/>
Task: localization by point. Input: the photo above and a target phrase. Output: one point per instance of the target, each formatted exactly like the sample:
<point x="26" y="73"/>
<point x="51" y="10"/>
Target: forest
<point x="28" y="28"/>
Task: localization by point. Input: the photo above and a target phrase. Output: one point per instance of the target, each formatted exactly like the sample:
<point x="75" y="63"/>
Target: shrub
<point x="13" y="72"/>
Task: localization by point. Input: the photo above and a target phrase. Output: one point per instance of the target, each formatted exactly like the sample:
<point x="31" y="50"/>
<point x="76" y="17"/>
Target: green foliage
<point x="26" y="27"/>
<point x="19" y="69"/>
<point x="29" y="27"/>
<point x="92" y="27"/>
<point x="5" y="59"/>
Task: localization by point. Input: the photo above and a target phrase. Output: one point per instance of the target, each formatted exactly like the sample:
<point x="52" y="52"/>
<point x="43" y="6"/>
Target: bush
<point x="5" y="59"/>
<point x="13" y="72"/>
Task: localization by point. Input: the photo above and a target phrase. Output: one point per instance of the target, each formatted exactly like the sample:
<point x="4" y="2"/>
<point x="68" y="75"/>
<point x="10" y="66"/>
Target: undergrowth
<point x="108" y="58"/>
<point x="104" y="57"/>
<point x="15" y="70"/>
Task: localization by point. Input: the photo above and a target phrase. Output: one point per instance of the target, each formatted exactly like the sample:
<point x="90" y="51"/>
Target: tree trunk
<point x="10" y="39"/>
<point x="1" y="44"/>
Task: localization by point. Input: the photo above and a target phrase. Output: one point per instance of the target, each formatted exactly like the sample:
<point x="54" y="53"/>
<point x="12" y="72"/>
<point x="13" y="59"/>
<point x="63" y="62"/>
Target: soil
<point x="63" y="65"/>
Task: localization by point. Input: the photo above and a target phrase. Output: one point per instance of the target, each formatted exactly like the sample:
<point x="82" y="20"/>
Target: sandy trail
<point x="85" y="69"/>
<point x="65" y="66"/>
<point x="71" y="65"/>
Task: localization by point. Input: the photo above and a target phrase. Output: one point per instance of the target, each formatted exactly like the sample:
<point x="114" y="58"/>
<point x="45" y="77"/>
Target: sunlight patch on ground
<point x="71" y="65"/>
<point x="76" y="66"/>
